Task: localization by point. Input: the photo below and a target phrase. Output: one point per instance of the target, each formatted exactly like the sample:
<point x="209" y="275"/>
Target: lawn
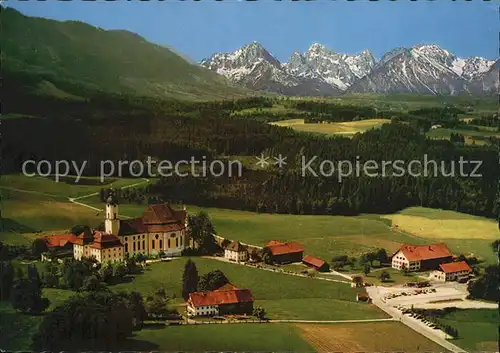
<point x="477" y="328"/>
<point x="287" y="296"/>
<point x="472" y="136"/>
<point x="66" y="187"/>
<point x="24" y="213"/>
<point x="366" y="337"/>
<point x="220" y="338"/>
<point x="342" y="128"/>
<point x="328" y="236"/>
<point x="463" y="233"/>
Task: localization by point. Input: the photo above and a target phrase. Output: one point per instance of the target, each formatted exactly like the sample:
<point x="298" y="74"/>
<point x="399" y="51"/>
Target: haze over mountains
<point x="426" y="69"/>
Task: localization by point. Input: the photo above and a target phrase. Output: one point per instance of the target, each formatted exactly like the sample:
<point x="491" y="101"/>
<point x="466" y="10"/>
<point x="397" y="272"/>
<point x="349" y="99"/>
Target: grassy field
<point x="66" y="187"/>
<point x="282" y="295"/>
<point x="471" y="136"/>
<point x="36" y="206"/>
<point x="25" y="215"/>
<point x="366" y="337"/>
<point x="328" y="236"/>
<point x="233" y="337"/>
<point x="346" y="128"/>
<point x="477" y="328"/>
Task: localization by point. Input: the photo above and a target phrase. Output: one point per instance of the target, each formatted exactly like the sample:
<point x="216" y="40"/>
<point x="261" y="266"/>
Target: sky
<point x="199" y="29"/>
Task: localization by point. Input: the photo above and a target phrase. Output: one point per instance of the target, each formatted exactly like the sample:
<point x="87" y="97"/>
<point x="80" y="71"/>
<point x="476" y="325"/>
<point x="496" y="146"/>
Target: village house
<point x="452" y="271"/>
<point x="283" y="253"/>
<point x="236" y="252"/>
<point x="421" y="257"/>
<point x="159" y="229"/>
<point x="316" y="263"/>
<point x="224" y="301"/>
<point x="101" y="246"/>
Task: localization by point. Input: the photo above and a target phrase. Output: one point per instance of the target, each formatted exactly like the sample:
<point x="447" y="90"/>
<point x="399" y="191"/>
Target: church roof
<point x="105" y="241"/>
<point x="157" y="218"/>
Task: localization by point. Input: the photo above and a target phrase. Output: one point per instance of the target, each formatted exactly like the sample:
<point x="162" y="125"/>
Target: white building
<point x="452" y="271"/>
<point x="160" y="228"/>
<point x="236" y="252"/>
<point x="421" y="257"/>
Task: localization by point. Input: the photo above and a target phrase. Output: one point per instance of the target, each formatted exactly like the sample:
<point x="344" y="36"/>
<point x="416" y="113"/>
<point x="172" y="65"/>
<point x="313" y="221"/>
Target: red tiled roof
<point x="314" y="261"/>
<point x="104" y="241"/>
<point x="161" y="214"/>
<point x="278" y="248"/>
<point x="236" y="246"/>
<point x="220" y="297"/>
<point x="55" y="241"/>
<point x="453" y="267"/>
<point x="425" y="252"/>
<point x="273" y="242"/>
<point x="157" y="218"/>
<point x="227" y="286"/>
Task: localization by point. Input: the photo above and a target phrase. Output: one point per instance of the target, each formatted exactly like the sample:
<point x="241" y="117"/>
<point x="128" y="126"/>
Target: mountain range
<point x="62" y="55"/>
<point x="426" y="69"/>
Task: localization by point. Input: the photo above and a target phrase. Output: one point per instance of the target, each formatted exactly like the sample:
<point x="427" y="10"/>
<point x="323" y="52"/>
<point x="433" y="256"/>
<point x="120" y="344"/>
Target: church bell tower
<point x="111" y="223"/>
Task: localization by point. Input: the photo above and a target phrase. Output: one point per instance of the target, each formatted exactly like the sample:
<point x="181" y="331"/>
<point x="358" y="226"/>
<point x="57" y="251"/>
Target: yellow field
<point x="439" y="224"/>
<point x="345" y="128"/>
<point x="366" y="337"/>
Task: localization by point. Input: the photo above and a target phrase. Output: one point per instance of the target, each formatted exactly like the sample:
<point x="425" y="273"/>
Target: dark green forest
<point x="116" y="127"/>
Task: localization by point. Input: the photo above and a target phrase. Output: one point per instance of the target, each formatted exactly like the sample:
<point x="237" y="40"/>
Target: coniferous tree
<point x="189" y="279"/>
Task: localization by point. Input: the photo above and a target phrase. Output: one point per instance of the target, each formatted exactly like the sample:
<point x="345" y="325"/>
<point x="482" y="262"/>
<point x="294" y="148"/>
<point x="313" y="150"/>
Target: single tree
<point x="384" y="276"/>
<point x="189" y="279"/>
<point x="6" y="280"/>
<point x="212" y="281"/>
<point x="366" y="269"/>
<point x="38" y="247"/>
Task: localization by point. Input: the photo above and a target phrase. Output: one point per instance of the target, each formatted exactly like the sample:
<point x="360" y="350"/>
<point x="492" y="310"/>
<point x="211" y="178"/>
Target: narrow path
<point x="275" y="271"/>
<point x="330" y="321"/>
<point x="74" y="199"/>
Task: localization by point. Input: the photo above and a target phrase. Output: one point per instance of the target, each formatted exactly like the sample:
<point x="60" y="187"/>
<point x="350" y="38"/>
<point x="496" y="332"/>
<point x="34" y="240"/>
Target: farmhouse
<point x="236" y="252"/>
<point x="452" y="271"/>
<point x="226" y="300"/>
<point x="421" y="257"/>
<point x="316" y="263"/>
<point x="283" y="253"/>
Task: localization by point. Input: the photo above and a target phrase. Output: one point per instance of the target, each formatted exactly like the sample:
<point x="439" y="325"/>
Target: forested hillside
<point x="116" y="61"/>
<point x="117" y="127"/>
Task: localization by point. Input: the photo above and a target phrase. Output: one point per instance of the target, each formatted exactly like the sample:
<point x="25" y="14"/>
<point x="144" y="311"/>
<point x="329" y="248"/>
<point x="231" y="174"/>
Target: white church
<point x="160" y="228"/>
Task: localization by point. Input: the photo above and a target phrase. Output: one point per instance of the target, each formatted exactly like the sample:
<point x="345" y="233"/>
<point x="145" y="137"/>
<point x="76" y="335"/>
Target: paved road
<point x="434" y="335"/>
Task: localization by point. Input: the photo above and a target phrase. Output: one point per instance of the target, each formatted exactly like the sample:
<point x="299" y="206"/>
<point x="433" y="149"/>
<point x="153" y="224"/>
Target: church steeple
<point x="111" y="222"/>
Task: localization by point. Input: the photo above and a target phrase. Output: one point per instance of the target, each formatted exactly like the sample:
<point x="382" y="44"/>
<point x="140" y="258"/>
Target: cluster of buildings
<point x="280" y="252"/>
<point x="435" y="257"/>
<point x="161" y="229"/>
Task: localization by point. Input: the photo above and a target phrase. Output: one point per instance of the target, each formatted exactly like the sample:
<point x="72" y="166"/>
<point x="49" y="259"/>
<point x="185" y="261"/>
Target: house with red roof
<point x="223" y="301"/>
<point x="421" y="257"/>
<point x="452" y="271"/>
<point x="283" y="253"/>
<point x="316" y="263"/>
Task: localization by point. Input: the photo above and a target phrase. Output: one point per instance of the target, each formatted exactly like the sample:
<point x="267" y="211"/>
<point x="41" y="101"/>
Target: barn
<point x="316" y="263"/>
<point x="284" y="253"/>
